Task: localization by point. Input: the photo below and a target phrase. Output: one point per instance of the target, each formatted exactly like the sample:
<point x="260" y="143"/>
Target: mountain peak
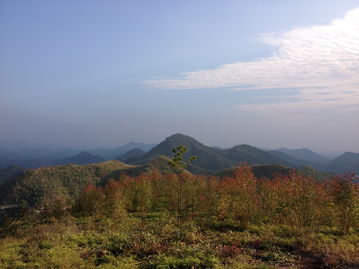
<point x="181" y="139"/>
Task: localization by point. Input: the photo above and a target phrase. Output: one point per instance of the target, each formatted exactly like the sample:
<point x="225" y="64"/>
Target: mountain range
<point x="210" y="160"/>
<point x="66" y="177"/>
<point x="39" y="157"/>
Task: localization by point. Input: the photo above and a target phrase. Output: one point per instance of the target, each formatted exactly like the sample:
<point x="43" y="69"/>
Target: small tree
<point x="178" y="165"/>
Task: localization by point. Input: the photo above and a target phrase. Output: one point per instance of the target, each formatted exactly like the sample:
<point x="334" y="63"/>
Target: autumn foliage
<point x="237" y="201"/>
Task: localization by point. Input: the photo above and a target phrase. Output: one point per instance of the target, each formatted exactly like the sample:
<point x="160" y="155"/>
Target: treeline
<point x="237" y="201"/>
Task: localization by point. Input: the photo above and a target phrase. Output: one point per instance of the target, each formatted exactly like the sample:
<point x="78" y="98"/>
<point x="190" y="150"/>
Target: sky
<point x="268" y="73"/>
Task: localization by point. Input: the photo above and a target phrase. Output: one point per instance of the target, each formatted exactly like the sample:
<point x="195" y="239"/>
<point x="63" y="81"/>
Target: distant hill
<point x="46" y="185"/>
<point x="345" y="163"/>
<point x="117" y="152"/>
<point x="82" y="158"/>
<point x="304" y="154"/>
<point x="133" y="153"/>
<point x="40" y="157"/>
<point x="27" y="163"/>
<point x="33" y="158"/>
<point x="36" y="153"/>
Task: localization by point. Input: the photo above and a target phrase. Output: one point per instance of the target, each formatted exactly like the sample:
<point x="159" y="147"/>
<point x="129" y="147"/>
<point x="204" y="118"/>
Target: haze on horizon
<point x="95" y="74"/>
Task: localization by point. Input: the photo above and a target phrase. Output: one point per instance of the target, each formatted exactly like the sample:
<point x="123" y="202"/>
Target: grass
<point x="157" y="242"/>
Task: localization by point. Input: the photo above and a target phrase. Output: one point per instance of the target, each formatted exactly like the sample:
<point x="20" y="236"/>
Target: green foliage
<point x="9" y="172"/>
<point x="177" y="163"/>
<point x="40" y="187"/>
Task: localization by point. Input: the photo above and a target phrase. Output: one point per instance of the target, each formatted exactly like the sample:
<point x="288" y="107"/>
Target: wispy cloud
<point x="322" y="61"/>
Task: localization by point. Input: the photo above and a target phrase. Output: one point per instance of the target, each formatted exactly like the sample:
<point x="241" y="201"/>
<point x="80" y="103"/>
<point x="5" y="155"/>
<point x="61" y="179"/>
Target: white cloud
<point x="322" y="61"/>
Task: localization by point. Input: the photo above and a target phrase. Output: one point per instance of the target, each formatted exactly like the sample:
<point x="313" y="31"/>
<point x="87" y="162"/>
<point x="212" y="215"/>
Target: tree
<point x="178" y="165"/>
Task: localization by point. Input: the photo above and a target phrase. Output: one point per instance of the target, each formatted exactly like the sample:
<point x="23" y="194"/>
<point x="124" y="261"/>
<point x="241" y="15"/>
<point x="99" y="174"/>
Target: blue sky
<point x="102" y="73"/>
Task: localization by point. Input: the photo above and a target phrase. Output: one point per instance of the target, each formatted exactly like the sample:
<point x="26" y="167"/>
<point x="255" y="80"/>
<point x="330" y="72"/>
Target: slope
<point x="56" y="184"/>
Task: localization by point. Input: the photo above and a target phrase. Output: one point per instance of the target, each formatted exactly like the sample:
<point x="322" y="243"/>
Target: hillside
<point x="9" y="172"/>
<point x="82" y="158"/>
<point x="345" y="163"/>
<point x="55" y="184"/>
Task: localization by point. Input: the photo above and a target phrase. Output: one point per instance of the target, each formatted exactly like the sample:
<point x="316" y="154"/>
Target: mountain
<point x="210" y="160"/>
<point x="63" y="183"/>
<point x="114" y="153"/>
<point x="345" y="163"/>
<point x="82" y="158"/>
<point x="207" y="157"/>
<point x="304" y="154"/>
<point x="133" y="153"/>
